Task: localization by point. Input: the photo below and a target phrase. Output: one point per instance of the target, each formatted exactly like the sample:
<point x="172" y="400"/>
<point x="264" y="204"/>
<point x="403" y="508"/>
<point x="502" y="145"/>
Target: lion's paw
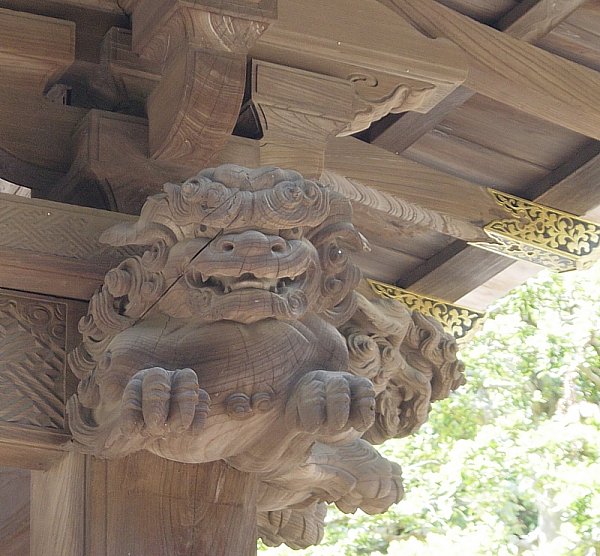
<point x="157" y="402"/>
<point x="326" y="402"/>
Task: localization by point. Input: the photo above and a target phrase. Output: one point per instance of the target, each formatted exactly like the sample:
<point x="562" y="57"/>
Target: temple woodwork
<point x="240" y="241"/>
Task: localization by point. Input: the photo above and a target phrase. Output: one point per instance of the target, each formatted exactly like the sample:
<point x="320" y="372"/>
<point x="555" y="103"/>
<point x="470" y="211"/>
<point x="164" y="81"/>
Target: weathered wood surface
<point x="577" y="38"/>
<point x="511" y="71"/>
<point x="53" y="248"/>
<point x="532" y="22"/>
<point x="34" y="49"/>
<point x="36" y="333"/>
<point x="359" y="38"/>
<point x="142" y="505"/>
<point x="14" y="511"/>
<point x="413" y="182"/>
<point x="524" y="22"/>
<point x="485" y="11"/>
<point x="201" y="49"/>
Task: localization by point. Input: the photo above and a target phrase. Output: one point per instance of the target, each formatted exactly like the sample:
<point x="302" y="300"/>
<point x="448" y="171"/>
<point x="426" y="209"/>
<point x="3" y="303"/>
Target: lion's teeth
<point x="227" y="289"/>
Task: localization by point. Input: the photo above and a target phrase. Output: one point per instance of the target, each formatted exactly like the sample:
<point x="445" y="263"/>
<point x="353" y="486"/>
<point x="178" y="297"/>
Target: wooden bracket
<point x="200" y="48"/>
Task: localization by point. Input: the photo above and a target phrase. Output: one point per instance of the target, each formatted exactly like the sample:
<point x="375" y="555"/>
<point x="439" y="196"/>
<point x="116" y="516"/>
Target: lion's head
<point x="228" y="244"/>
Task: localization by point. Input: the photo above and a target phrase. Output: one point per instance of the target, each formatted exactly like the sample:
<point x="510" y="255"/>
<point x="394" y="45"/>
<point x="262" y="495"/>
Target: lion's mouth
<point x="248" y="280"/>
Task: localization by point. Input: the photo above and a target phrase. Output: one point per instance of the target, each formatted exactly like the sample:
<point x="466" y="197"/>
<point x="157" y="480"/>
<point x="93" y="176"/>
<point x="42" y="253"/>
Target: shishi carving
<point x="238" y="335"/>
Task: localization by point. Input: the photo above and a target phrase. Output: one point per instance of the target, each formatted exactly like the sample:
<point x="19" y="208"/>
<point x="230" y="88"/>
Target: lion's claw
<point x="325" y="402"/>
<point x="157" y="402"/>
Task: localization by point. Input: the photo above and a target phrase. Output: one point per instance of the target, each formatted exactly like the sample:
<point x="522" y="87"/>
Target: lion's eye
<point x="202" y="230"/>
<point x="292" y="233"/>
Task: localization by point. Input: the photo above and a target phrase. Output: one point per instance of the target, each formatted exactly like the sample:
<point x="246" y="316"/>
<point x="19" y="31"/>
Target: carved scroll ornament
<point x="238" y="336"/>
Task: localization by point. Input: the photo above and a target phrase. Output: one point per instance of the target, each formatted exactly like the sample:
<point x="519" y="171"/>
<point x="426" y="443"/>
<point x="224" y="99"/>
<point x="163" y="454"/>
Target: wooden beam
<point x="511" y="71"/>
<point x="525" y="22"/>
<point x="358" y="40"/>
<point x="402" y="131"/>
<point x="410" y="181"/>
<point x="52" y="248"/>
<point x="34" y="50"/>
<point x="530" y="21"/>
<point x="491" y="275"/>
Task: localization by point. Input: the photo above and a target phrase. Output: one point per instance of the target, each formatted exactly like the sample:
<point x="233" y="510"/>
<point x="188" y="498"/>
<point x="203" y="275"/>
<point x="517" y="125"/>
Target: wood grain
<point x="34" y="49"/>
<point x="513" y="72"/>
<point x="410" y="181"/>
<point x="58" y="512"/>
<point x="144" y="505"/>
<point x="532" y="22"/>
<point x="444" y="274"/>
<point x="342" y="38"/>
<point x="14" y="511"/>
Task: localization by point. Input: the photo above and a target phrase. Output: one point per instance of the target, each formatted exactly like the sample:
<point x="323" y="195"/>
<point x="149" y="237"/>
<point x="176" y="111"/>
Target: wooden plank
<point x="511" y="71"/>
<point x="510" y="132"/>
<point x="485" y="11"/>
<point x="532" y="22"/>
<point x="14" y="511"/>
<point x="403" y="131"/>
<point x="460" y="274"/>
<point x="30" y="448"/>
<point x="58" y="516"/>
<point x="34" y="49"/>
<point x="578" y="37"/>
<point x="471" y="161"/>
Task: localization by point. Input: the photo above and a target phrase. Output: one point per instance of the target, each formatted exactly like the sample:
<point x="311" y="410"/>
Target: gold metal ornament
<point x="549" y="237"/>
<point x="459" y="321"/>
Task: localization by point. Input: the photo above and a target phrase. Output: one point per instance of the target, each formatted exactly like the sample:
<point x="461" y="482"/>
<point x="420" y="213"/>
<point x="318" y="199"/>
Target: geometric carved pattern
<point x="54" y="230"/>
<point x="459" y="321"/>
<point x="549" y="237"/>
<point x="32" y="361"/>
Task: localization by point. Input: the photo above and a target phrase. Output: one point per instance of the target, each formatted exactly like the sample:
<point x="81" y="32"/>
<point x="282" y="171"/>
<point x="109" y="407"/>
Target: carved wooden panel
<point x="32" y="360"/>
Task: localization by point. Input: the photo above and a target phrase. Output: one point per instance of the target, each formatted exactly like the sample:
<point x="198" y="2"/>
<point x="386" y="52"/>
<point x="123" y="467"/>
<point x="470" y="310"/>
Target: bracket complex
<point x="549" y="237"/>
<point x="459" y="321"/>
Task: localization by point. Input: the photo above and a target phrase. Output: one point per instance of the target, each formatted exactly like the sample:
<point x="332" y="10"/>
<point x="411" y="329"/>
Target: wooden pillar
<point x="14" y="511"/>
<point x="142" y="505"/>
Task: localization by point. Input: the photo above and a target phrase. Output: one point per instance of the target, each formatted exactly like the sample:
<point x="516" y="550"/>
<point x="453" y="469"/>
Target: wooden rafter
<point x="504" y="72"/>
<point x="531" y="21"/>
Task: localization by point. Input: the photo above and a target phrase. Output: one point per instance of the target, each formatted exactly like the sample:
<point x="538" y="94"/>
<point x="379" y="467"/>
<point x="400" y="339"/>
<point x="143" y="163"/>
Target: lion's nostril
<point x="277" y="248"/>
<point x="227" y="246"/>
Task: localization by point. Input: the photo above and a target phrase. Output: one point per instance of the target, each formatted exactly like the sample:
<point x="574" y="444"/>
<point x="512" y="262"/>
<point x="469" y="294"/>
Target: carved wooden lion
<point x="238" y="336"/>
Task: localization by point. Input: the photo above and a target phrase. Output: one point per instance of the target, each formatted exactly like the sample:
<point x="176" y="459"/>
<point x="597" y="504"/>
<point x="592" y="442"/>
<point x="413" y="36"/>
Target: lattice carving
<point x="32" y="361"/>
<point x="52" y="230"/>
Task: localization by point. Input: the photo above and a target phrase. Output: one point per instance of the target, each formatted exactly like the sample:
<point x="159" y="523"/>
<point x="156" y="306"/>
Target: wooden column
<point x="142" y="505"/>
<point x="14" y="511"/>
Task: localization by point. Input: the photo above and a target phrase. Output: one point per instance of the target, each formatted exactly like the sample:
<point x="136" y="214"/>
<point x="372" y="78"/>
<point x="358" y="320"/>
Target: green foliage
<point x="510" y="464"/>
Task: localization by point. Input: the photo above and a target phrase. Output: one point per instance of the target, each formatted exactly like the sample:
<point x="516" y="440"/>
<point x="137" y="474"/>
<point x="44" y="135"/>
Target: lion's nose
<point x="251" y="243"/>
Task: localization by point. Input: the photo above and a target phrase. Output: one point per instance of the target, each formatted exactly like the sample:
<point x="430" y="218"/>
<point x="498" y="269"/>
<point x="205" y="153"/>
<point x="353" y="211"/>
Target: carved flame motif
<point x="222" y="342"/>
